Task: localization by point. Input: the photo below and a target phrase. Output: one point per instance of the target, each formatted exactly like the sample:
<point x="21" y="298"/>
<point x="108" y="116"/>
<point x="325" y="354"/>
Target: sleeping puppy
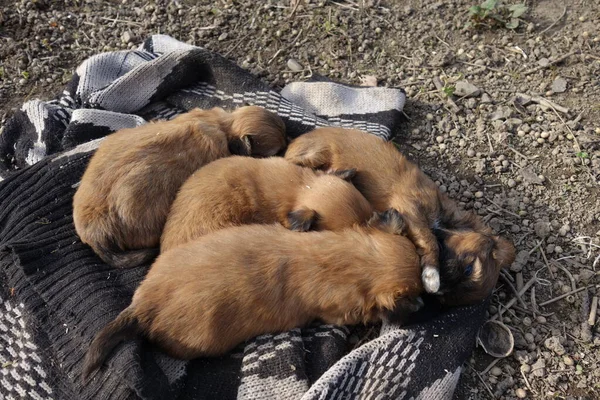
<point x="125" y="194"/>
<point x="209" y="295"/>
<point x="245" y="190"/>
<point x="473" y="256"/>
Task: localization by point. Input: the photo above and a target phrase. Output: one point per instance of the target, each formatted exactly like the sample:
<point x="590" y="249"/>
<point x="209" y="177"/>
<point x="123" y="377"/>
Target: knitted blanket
<point x="56" y="294"/>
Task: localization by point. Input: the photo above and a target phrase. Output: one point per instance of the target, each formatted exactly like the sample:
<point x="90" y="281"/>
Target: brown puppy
<point x="388" y="180"/>
<point x="267" y="279"/>
<point x="126" y="192"/>
<point x="245" y="190"/>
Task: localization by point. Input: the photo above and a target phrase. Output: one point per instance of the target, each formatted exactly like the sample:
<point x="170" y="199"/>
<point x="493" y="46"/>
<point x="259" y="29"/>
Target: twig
<point x="586" y="329"/>
<point x="228" y="52"/>
<point x="546" y="262"/>
<point x="566" y="271"/>
<point x="486" y="67"/>
<point x="519" y="280"/>
<point x="593" y="311"/>
<point x="558" y="60"/>
<point x="520" y="154"/>
<point x="438" y="38"/>
<point x="489" y="141"/>
<point x="115" y="20"/>
<point x="527" y="383"/>
<point x="514" y="299"/>
<point x="503" y="209"/>
<point x="507" y="275"/>
<point x="490" y="366"/>
<point x="483" y="381"/>
<point x="562" y="296"/>
<point x="533" y="301"/>
<point x="274" y="56"/>
<point x="294" y="8"/>
<point x="549" y="104"/>
<point x="515" y="292"/>
<point x="535" y="248"/>
<point x="555" y="22"/>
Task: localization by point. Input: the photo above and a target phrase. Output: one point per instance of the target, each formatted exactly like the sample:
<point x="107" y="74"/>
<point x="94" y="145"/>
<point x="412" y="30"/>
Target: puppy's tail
<point x="124" y="327"/>
<point x="118" y="258"/>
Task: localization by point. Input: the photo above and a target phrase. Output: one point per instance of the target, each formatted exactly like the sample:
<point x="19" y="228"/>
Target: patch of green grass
<point x="25" y="74"/>
<point x="449" y="90"/>
<point x="583" y="155"/>
<point x="494" y="14"/>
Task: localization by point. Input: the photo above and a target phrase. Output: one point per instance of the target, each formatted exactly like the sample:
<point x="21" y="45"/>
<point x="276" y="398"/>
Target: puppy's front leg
<point x="419" y="232"/>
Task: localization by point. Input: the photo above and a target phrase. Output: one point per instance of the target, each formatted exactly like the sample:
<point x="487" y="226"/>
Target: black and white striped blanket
<point x="56" y="294"/>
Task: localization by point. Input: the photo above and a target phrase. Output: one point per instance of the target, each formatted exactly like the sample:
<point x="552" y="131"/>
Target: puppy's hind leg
<point x="427" y="246"/>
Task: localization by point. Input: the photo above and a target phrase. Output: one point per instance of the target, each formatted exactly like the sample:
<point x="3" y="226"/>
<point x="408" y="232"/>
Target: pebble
<point x="568" y="361"/>
<point x="486" y="99"/>
<point x="127" y="37"/>
<point x="466" y="89"/>
<point x="511" y="183"/>
<point x="439" y="139"/>
<point x="539" y="368"/>
<point x="294" y="65"/>
<point x="222" y="37"/>
<point x="496" y="371"/>
<point x="544" y="135"/>
<point x="553" y="343"/>
<point x="479" y="194"/>
<point x="541" y="319"/>
<point x="521" y="393"/>
<point x="526" y="368"/>
<point x="471" y="153"/>
<point x="559" y="85"/>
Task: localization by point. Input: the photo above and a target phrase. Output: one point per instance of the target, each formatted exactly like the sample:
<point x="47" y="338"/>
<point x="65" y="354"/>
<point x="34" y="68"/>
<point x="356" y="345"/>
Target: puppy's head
<point x="470" y="263"/>
<point x="335" y="204"/>
<point x="256" y="132"/>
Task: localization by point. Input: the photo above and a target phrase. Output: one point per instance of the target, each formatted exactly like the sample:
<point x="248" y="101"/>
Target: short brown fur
<point x="125" y="194"/>
<point x="244" y="190"/>
<point x="388" y="180"/>
<point x="266" y="279"/>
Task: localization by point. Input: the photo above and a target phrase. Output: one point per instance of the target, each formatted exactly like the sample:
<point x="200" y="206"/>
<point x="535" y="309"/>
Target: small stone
<point x="479" y="194"/>
<point x="585" y="275"/>
<point x="439" y="139"/>
<point x="486" y="99"/>
<point x="496" y="371"/>
<point x="127" y="37"/>
<point x="568" y="361"/>
<point x="526" y="368"/>
<point x="471" y="153"/>
<point x="542" y="229"/>
<point x="429" y="117"/>
<point x="558" y="250"/>
<point x="294" y="65"/>
<point x="544" y="135"/>
<point x="511" y="183"/>
<point x="539" y="368"/>
<point x="521" y="393"/>
<point x="559" y="85"/>
<point x="541" y="319"/>
<point x="529" y="176"/>
<point x="553" y="343"/>
<point x="466" y="89"/>
<point x="527" y="321"/>
<point x="22" y="81"/>
<point x="222" y="37"/>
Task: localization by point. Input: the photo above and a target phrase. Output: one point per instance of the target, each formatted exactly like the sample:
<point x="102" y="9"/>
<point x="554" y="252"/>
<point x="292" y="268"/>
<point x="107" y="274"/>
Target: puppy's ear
<point x="392" y="222"/>
<point x="345" y="174"/>
<point x="302" y="220"/>
<point x="241" y="146"/>
<point x="503" y="252"/>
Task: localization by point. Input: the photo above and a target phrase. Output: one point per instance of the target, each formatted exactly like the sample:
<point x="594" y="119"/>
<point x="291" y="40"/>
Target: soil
<point x="486" y="133"/>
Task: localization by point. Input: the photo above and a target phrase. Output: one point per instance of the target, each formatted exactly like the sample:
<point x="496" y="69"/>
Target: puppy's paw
<point x="431" y="279"/>
<point x="414" y="304"/>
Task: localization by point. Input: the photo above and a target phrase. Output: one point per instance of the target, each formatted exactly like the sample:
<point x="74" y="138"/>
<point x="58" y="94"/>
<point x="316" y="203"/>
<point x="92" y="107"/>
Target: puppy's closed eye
<point x="241" y="146"/>
<point x="302" y="220"/>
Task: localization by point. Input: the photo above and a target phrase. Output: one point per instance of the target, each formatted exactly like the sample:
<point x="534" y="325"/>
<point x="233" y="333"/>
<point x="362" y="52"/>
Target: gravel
<point x="490" y="140"/>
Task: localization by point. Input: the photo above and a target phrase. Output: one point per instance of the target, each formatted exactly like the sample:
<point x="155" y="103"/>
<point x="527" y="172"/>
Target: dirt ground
<point x="507" y="121"/>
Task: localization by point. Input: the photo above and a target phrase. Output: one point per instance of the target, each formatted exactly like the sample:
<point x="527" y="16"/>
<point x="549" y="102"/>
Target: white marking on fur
<point x="431" y="279"/>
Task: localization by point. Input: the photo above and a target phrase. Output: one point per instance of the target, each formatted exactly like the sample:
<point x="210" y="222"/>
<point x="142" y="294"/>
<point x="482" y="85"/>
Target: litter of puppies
<point x="343" y="229"/>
